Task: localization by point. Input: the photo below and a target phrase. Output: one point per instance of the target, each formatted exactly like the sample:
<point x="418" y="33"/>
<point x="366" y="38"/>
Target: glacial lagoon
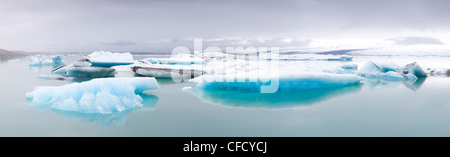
<point x="373" y="108"/>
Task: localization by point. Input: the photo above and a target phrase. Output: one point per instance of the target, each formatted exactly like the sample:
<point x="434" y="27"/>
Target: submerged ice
<point x="105" y="96"/>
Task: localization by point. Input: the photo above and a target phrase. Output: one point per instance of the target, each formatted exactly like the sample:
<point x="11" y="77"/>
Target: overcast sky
<point x="146" y="26"/>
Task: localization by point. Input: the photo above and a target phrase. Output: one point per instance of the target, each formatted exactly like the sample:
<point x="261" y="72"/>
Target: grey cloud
<point x="67" y="25"/>
<point x="413" y="40"/>
<point x="119" y="43"/>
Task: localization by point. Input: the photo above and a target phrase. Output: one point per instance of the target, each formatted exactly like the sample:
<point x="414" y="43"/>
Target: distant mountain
<point x="5" y="54"/>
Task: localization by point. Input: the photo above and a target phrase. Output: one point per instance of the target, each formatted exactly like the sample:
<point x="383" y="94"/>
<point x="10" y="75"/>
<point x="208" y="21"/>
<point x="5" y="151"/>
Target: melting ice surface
<point x="105" y="96"/>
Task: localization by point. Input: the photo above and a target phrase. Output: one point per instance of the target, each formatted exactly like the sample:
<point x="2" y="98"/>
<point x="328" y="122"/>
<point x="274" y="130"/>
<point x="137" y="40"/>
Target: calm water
<point x="370" y="109"/>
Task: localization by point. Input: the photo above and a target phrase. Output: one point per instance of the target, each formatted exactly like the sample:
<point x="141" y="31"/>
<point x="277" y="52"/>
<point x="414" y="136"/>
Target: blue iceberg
<point x="84" y="69"/>
<point x="391" y="71"/>
<point x="104" y="96"/>
<point x="40" y="61"/>
<point x="286" y="81"/>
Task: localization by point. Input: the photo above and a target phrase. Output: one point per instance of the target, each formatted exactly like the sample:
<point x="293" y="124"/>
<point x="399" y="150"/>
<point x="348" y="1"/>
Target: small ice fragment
<point x="14" y="61"/>
<point x="391" y="71"/>
<point x="186" y="88"/>
<point x="349" y="66"/>
<point x="40" y="61"/>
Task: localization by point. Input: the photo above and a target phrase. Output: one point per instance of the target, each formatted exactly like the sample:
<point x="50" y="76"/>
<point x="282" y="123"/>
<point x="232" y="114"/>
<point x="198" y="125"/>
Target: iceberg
<point x="312" y="57"/>
<point x="175" y="60"/>
<point x="167" y="71"/>
<point x="109" y="59"/>
<point x="14" y="61"/>
<point x="414" y="69"/>
<point x="349" y="66"/>
<point x="104" y="96"/>
<point x="391" y="71"/>
<point x="285" y="81"/>
<point x="75" y="70"/>
<point x="40" y="61"/>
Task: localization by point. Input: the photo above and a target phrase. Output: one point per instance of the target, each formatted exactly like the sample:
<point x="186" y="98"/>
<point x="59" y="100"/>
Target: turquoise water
<point x="370" y="109"/>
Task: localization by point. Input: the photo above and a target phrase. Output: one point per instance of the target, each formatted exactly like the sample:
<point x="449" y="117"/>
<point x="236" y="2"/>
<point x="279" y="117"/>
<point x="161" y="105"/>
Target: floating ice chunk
<point x="84" y="71"/>
<point x="186" y="88"/>
<point x="40" y="61"/>
<point x="93" y="72"/>
<point x="173" y="60"/>
<point x="35" y="61"/>
<point x="343" y="58"/>
<point x="105" y="96"/>
<point x="414" y="69"/>
<point x="349" y="66"/>
<point x="286" y="81"/>
<point x="391" y="71"/>
<point x="57" y="60"/>
<point x="438" y="72"/>
<point x="14" y="61"/>
<point x="168" y="71"/>
<point x="109" y="59"/>
<point x="311" y="57"/>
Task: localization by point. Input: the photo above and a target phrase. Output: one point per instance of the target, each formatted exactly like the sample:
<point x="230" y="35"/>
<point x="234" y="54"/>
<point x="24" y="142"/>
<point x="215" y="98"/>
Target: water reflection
<point x="375" y="83"/>
<point x="105" y="120"/>
<point x="280" y="99"/>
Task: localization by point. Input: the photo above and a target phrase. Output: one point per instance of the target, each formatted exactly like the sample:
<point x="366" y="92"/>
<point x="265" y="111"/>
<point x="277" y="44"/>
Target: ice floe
<point x="14" y="61"/>
<point x="109" y="59"/>
<point x="41" y="61"/>
<point x="391" y="71"/>
<point x="176" y="60"/>
<point x="104" y="96"/>
<point x="284" y="81"/>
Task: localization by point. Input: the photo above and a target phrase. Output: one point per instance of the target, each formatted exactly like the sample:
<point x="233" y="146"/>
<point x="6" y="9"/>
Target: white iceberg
<point x="349" y="66"/>
<point x="105" y="96"/>
<point x="109" y="59"/>
<point x="391" y="71"/>
<point x="40" y="61"/>
<point x="175" y="60"/>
